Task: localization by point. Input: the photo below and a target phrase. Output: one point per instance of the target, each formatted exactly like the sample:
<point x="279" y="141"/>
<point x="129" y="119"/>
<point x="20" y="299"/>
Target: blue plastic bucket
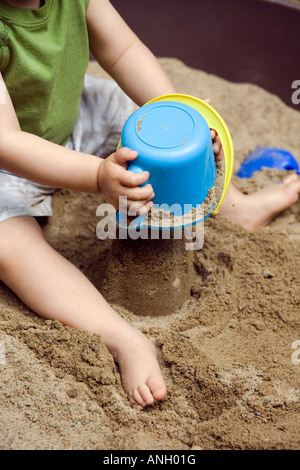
<point x="174" y="144"/>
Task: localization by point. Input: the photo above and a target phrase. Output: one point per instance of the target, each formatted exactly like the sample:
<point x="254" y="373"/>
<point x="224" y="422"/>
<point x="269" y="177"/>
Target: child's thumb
<point x="124" y="154"/>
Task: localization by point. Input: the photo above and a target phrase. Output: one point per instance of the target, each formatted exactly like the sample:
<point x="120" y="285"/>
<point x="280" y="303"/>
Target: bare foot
<point x="140" y="372"/>
<point x="257" y="209"/>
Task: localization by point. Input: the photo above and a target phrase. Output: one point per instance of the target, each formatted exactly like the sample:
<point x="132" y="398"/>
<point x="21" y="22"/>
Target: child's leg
<point x="55" y="289"/>
<point x="257" y="209"/>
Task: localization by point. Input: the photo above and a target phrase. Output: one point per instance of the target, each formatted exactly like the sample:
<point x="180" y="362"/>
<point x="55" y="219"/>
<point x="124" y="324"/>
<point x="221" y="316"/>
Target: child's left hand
<point x="217" y="145"/>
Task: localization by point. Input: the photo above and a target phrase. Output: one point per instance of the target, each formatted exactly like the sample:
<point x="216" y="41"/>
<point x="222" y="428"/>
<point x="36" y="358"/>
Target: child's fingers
<point x="124" y="155"/>
<point x="217" y="151"/>
<point x="217" y="148"/>
<point x="131" y="179"/>
<point x="136" y="208"/>
<point x="146" y="208"/>
<point x="139" y="194"/>
<point x="217" y="145"/>
<point x="219" y="157"/>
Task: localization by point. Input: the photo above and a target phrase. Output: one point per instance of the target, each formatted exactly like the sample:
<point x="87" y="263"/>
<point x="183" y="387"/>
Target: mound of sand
<point x="226" y="356"/>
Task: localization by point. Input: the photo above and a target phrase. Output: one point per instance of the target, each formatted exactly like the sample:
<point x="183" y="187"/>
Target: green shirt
<point x="43" y="58"/>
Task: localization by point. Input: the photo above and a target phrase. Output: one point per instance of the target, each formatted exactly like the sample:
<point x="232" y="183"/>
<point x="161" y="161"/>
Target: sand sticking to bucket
<point x="158" y="217"/>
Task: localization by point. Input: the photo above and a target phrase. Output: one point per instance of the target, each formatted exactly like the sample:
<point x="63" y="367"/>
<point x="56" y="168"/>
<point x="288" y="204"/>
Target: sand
<point x="226" y="355"/>
<point x="159" y="217"/>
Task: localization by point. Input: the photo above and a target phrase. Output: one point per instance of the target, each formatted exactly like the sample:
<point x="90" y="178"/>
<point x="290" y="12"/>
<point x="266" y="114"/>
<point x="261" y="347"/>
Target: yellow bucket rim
<point x="215" y="122"/>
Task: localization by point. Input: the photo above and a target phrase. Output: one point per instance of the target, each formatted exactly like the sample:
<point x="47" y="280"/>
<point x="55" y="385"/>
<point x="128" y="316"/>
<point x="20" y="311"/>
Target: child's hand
<point x="114" y="180"/>
<point x="217" y="145"/>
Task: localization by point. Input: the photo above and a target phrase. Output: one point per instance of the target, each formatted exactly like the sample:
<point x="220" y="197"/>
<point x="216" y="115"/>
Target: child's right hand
<point x="115" y="180"/>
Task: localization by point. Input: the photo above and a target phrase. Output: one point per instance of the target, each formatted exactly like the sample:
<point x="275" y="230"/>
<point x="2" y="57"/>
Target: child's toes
<point x="159" y="393"/>
<point x="291" y="188"/>
<point x="146" y="394"/>
<point x="157" y="387"/>
<point x="138" y="398"/>
<point x="290" y="179"/>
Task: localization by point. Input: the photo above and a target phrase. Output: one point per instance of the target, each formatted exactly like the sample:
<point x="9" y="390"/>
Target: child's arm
<point x="41" y="161"/>
<point x="119" y="51"/>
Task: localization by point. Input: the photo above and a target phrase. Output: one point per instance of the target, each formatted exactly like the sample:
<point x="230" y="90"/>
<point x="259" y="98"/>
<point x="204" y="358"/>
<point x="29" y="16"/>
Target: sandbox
<point x="228" y="356"/>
